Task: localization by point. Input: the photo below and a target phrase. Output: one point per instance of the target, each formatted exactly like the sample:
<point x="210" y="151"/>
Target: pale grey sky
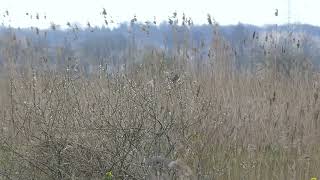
<point x="258" y="12"/>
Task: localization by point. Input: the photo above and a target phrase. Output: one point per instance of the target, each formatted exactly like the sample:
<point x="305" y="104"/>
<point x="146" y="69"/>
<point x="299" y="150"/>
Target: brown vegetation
<point x="160" y="119"/>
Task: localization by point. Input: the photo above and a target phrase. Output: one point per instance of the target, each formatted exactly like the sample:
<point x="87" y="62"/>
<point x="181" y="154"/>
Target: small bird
<point x="104" y="12"/>
<point x="277" y="12"/>
<point x="175" y="78"/>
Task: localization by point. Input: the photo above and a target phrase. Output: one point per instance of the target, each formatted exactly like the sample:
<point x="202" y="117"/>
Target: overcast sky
<point x="258" y="12"/>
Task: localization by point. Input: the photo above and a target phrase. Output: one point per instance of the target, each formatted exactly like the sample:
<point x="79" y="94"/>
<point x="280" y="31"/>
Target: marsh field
<point x="194" y="104"/>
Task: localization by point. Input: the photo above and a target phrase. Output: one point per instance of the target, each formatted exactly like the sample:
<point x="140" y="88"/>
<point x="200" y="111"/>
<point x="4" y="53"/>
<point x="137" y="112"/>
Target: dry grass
<point x="162" y="119"/>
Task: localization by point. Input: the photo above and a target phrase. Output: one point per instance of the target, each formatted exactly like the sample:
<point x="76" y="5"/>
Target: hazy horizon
<point x="226" y="12"/>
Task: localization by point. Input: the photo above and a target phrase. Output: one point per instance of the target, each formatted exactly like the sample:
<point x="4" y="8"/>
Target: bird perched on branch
<point x="175" y="78"/>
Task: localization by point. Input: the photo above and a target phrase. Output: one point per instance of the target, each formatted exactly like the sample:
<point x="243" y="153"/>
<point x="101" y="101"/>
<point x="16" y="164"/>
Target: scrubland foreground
<point x="162" y="114"/>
